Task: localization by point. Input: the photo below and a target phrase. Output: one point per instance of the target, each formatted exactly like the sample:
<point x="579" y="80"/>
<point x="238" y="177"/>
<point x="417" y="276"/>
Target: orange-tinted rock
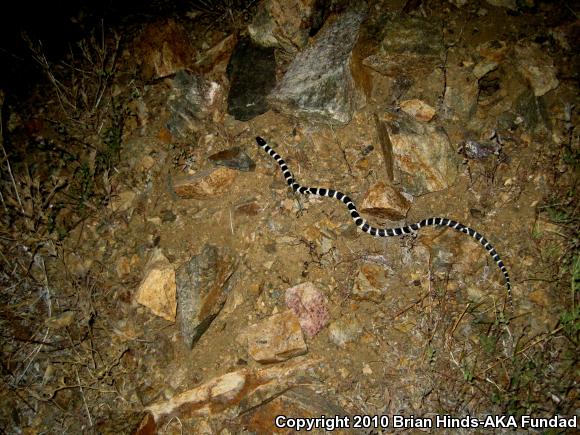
<point x="385" y="201"/>
<point x="205" y="184"/>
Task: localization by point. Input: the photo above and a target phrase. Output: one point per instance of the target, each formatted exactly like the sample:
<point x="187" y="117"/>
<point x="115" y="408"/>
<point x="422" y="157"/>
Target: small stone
<point x="233" y="158"/>
<point x="537" y="67"/>
<point x="367" y="369"/>
<point x="251" y="208"/>
<point x="123" y="201"/>
<point x="309" y="304"/>
<point x="384" y="201"/>
<point x="275" y="339"/>
<point x="370" y="283"/>
<point x="146" y="163"/>
<point x="123" y="267"/>
<point x="205" y="184"/>
<point x="157" y="290"/>
<point x="418" y="109"/>
<point x="345" y="330"/>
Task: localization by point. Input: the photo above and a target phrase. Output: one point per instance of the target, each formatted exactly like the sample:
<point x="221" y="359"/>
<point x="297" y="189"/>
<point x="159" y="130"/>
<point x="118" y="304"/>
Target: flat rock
<point x="385" y="201"/>
<point x="370" y="283"/>
<point x="423" y="158"/>
<point x="410" y="46"/>
<point x="252" y="75"/>
<point x="275" y="339"/>
<point x="203" y="285"/>
<point x="157" y="290"/>
<point x="204" y="184"/>
<point x="231" y="394"/>
<point x="418" y="109"/>
<point x="233" y="158"/>
<point x="537" y="67"/>
<point x="309" y="304"/>
<point x="345" y="330"/>
<point x="319" y="86"/>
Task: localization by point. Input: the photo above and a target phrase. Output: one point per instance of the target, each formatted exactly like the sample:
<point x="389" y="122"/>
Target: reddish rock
<point x="309" y="304"/>
<point x="205" y="184"/>
<point x="385" y="201"/>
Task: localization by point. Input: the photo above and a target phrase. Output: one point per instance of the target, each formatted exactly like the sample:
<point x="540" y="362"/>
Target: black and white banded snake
<point x="386" y="232"/>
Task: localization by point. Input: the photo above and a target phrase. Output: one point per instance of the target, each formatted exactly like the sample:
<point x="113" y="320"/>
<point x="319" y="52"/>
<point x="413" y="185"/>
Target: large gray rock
<point x="319" y="85"/>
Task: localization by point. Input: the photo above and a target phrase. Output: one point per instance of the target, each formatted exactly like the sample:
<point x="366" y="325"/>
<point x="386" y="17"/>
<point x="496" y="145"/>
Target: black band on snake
<point x="385" y="232"/>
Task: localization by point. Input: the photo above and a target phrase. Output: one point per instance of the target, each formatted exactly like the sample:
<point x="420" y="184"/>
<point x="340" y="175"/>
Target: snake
<point x="361" y="223"/>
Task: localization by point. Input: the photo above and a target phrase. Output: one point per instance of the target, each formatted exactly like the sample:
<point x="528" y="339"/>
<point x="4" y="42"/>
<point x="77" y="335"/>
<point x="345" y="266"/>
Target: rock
<point x="537" y="67"/>
<point x="309" y="304"/>
<point x="203" y="285"/>
<point x="424" y="160"/>
<point x="319" y="86"/>
<point x="61" y="321"/>
<point x="123" y="201"/>
<point x="204" y="184"/>
<point x="233" y="158"/>
<point x="508" y="4"/>
<point x="533" y="111"/>
<point x="192" y="99"/>
<point x="345" y="330"/>
<point x="252" y="75"/>
<point x="370" y="283"/>
<point x="418" y="109"/>
<point x="157" y="289"/>
<point x="275" y="339"/>
<point x="301" y="401"/>
<point x="232" y="394"/>
<point x="163" y="48"/>
<point x="249" y="208"/>
<point x="410" y="46"/>
<point x="384" y="201"/>
<point x="478" y="150"/>
<point x="214" y="61"/>
<point x="283" y="24"/>
<point x="461" y="91"/>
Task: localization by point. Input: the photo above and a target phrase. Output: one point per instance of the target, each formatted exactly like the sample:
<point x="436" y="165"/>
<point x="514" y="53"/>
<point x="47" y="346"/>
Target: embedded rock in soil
<point x="275" y="339"/>
<point x="384" y="201"/>
<point x="252" y="75"/>
<point x="410" y="46"/>
<point x="418" y="109"/>
<point x="232" y="394"/>
<point x="370" y="283"/>
<point x="204" y="184"/>
<point x="533" y="111"/>
<point x="319" y="85"/>
<point x="537" y="67"/>
<point x="157" y="289"/>
<point x="309" y="304"/>
<point x="297" y="401"/>
<point x="283" y="24"/>
<point x="423" y="157"/>
<point x="191" y="99"/>
<point x="233" y="158"/>
<point x="345" y="330"/>
<point x="461" y="89"/>
<point x="203" y="285"/>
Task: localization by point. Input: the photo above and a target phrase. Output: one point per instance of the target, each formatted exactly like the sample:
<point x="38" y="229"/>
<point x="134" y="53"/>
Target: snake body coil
<point x="385" y="232"/>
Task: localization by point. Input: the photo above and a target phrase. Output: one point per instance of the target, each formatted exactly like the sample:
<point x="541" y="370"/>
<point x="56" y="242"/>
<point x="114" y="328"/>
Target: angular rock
<point x="275" y="339"/>
<point x="157" y="289"/>
<point x="533" y="111"/>
<point x="423" y="158"/>
<point x="252" y="75"/>
<point x="345" y="330"/>
<point x="319" y="85"/>
<point x="418" y="109"/>
<point x="385" y="201"/>
<point x="203" y="285"/>
<point x="461" y="92"/>
<point x="309" y="304"/>
<point x="410" y="46"/>
<point x="231" y="394"/>
<point x="204" y="184"/>
<point x="163" y="48"/>
<point x="233" y="158"/>
<point x="214" y="61"/>
<point x="283" y="24"/>
<point x="537" y="67"/>
<point x="370" y="283"/>
<point x="192" y="98"/>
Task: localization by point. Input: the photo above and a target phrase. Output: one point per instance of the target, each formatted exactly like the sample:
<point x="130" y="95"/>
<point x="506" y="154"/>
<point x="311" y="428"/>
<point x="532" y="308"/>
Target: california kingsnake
<point x="385" y="232"/>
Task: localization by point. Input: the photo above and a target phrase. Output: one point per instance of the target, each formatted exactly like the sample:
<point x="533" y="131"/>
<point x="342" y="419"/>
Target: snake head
<point x="260" y="141"/>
